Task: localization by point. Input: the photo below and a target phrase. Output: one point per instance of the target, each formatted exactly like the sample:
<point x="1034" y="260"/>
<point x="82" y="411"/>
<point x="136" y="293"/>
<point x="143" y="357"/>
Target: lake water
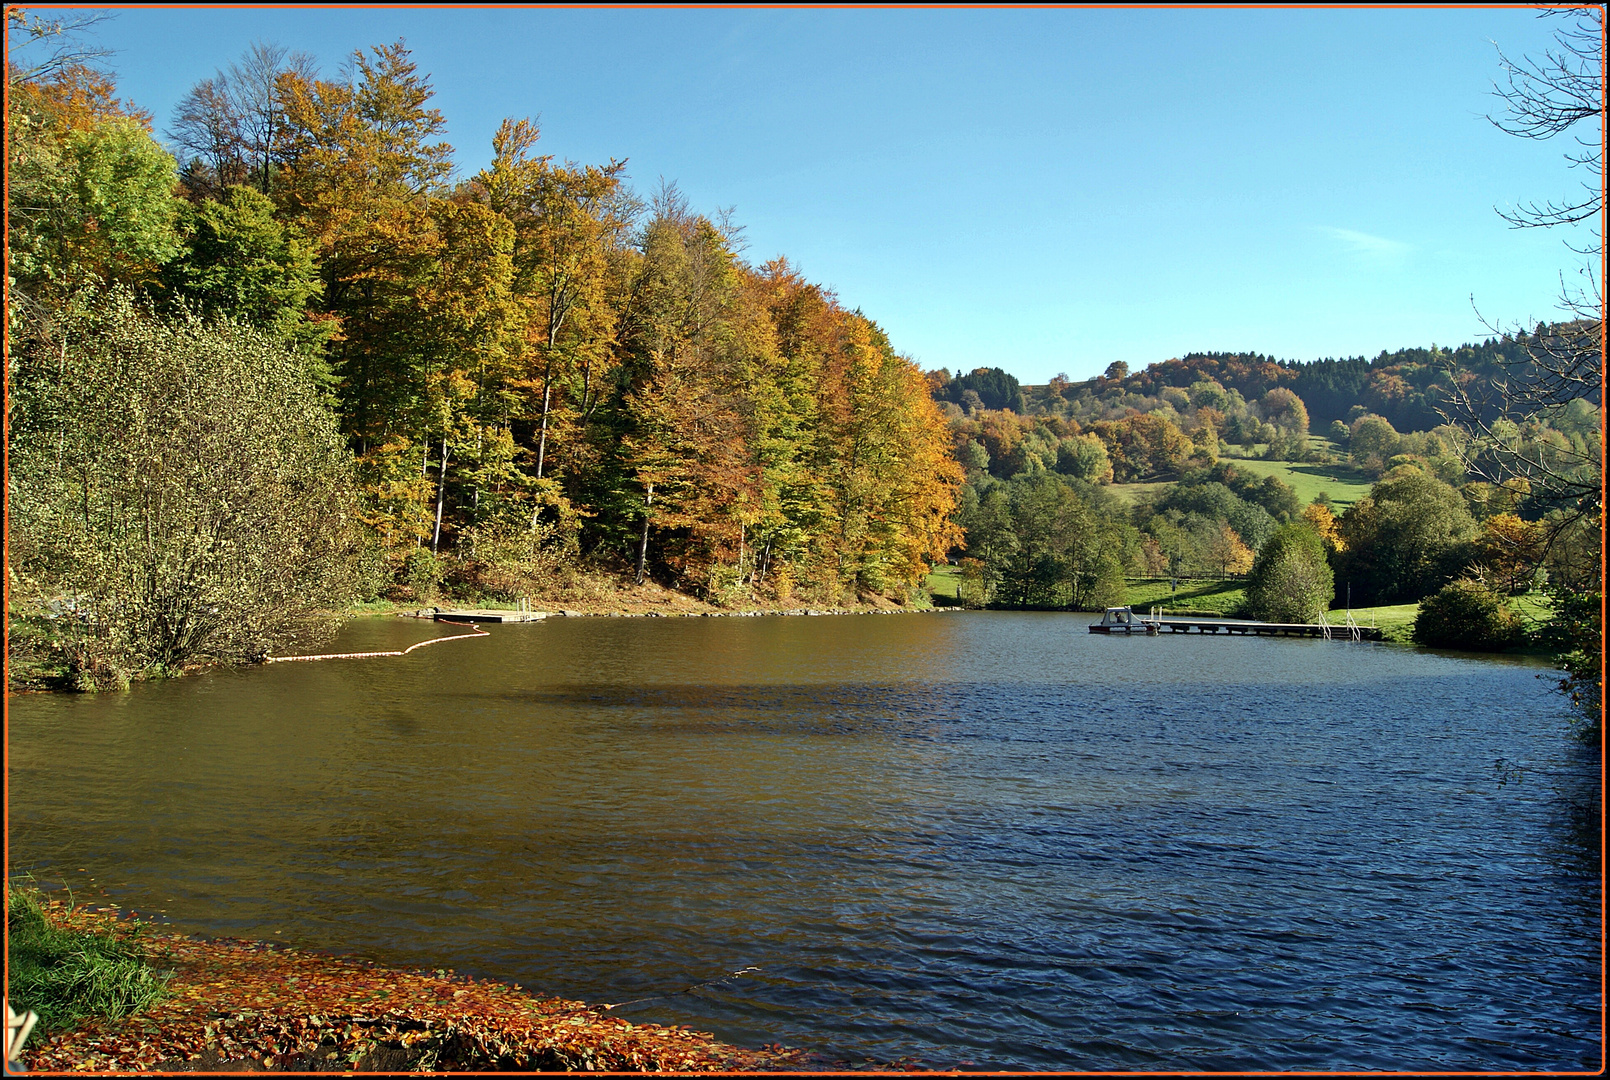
<point x="978" y="839"/>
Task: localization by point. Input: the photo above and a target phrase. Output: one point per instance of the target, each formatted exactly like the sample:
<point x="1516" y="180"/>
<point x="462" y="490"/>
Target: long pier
<point x="1177" y="625"/>
<point x="1174" y="624"/>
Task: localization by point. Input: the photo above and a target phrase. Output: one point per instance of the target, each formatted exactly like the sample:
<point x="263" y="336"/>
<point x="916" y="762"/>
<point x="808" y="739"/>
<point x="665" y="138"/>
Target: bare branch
<point x="61" y="35"/>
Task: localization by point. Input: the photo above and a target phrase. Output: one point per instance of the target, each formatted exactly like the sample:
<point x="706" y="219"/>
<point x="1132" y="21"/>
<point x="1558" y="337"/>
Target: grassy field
<point x="1130" y="492"/>
<point x="1344" y="485"/>
<point x="945" y="581"/>
<point x="1192" y="597"/>
<point x="1396" y="620"/>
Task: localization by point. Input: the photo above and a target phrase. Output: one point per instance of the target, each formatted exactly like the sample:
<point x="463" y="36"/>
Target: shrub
<point x="1465" y="614"/>
<point x="422" y="573"/>
<point x="178" y="488"/>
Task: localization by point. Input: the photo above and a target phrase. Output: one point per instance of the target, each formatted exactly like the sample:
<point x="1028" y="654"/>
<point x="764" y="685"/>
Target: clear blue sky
<point x="1040" y="190"/>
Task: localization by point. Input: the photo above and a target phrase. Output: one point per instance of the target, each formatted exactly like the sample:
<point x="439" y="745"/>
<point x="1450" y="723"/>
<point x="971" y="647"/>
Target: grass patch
<point x="1222" y="598"/>
<point x="1131" y="493"/>
<point x="1397" y="620"/>
<point x="1534" y="609"/>
<point x="1344" y="484"/>
<point x="944" y="584"/>
<point x="66" y="975"/>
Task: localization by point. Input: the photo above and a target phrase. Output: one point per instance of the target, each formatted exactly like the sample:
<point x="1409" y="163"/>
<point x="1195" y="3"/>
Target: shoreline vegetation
<point x="231" y="1004"/>
<point x="32" y="672"/>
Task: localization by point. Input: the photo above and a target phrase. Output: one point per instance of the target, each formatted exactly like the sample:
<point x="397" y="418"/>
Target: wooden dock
<point x="1178" y="625"/>
<point x="487" y="615"/>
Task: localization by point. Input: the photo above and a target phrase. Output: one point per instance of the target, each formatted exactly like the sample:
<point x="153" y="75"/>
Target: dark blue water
<point x="983" y="839"/>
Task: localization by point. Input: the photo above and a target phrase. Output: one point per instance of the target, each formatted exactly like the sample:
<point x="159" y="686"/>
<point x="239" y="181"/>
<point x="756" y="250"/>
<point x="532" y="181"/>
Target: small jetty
<point x="486" y="615"/>
<point x="1125" y="621"/>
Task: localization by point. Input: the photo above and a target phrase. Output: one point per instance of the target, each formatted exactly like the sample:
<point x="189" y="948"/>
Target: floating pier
<point x="486" y="615"/>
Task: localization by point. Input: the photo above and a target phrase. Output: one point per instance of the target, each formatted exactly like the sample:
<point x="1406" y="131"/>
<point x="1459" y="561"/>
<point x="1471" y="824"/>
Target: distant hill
<point x="1399" y="385"/>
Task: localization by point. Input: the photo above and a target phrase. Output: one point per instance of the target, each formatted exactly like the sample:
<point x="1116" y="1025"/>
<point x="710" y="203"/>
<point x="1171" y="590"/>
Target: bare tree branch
<point x="25" y="31"/>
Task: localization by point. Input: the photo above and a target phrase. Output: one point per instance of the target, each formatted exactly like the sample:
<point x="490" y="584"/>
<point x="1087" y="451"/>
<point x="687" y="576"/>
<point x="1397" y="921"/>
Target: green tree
<point x="1059" y="553"/>
<point x="1290" y="580"/>
<point x="1084" y="457"/>
<point x="240" y="263"/>
<point x="1373" y="441"/>
<point x="86" y="204"/>
<point x="1405" y="540"/>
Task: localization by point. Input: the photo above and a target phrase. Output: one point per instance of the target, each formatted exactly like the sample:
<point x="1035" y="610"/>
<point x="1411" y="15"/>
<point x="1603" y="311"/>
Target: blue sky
<point x="1040" y="190"/>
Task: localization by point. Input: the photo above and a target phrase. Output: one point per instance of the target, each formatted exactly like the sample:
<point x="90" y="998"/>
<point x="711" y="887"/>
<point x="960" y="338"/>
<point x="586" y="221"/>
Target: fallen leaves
<point x="275" y="1008"/>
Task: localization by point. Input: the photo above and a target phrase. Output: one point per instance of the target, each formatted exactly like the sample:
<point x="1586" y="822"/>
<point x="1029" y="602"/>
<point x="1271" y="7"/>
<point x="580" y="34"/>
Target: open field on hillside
<point x="1397" y="620"/>
<point x="1131" y="492"/>
<point x="1344" y="484"/>
<point x="1191" y="597"/>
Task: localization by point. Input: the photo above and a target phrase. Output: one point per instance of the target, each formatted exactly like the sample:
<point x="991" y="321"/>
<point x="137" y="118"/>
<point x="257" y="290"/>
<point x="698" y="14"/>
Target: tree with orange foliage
<point x="1322" y="521"/>
<point x="360" y="174"/>
<point x="1511" y="549"/>
<point x="1143" y="447"/>
<point x="1226" y="551"/>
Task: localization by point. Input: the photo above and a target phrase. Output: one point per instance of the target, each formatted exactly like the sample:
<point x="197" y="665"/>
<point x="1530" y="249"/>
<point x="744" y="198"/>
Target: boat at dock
<point x="1122" y="620"/>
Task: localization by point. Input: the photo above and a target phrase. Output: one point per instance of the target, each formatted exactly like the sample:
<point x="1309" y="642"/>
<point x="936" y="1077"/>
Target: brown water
<point x="987" y="838"/>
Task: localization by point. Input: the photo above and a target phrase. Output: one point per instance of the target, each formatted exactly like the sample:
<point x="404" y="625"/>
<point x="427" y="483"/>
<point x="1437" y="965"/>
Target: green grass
<point x="1397" y="620"/>
<point x="944" y="583"/>
<point x="1129" y="493"/>
<point x="66" y="975"/>
<point x="1223" y="598"/>
<point x="1533" y="608"/>
<point x="1344" y="484"/>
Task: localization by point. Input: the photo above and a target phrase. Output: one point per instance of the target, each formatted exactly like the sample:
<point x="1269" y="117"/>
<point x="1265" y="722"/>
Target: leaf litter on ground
<point x="236" y="1004"/>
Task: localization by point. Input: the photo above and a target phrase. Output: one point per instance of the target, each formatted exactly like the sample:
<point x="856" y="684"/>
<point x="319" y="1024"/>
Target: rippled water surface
<point x="980" y="838"/>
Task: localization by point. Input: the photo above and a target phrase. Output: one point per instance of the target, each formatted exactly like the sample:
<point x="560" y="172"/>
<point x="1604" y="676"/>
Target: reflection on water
<point x="991" y="838"/>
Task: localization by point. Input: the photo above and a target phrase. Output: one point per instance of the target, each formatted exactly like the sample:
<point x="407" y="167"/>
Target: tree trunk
<point x="542" y="438"/>
<point x="642" y="547"/>
<point x="441" y="495"/>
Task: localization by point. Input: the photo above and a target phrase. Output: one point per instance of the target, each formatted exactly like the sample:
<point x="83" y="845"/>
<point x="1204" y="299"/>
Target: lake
<point x="980" y="839"/>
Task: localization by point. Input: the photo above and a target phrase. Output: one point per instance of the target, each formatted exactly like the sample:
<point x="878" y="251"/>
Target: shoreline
<point x="429" y="613"/>
<point x="240" y="1005"/>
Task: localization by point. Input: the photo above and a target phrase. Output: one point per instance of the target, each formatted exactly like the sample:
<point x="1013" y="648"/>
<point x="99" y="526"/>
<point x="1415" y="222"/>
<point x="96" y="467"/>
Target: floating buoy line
<point x="475" y="631"/>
